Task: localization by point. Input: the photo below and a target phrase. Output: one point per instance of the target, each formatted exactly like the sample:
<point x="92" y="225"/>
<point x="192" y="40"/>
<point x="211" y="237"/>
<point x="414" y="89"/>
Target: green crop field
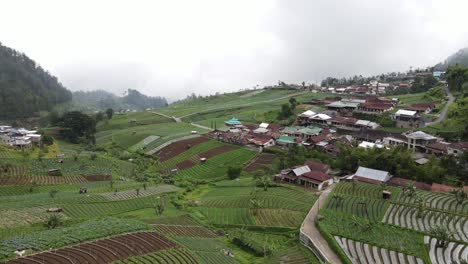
<point x="132" y="120"/>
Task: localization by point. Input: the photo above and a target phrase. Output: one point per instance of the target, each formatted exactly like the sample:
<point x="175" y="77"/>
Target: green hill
<point x="25" y="87"/>
<point x="460" y="57"/>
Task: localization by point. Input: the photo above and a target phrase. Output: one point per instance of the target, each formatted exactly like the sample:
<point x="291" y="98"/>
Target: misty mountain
<point x="460" y="57"/>
<point x="25" y="87"/>
<point x="101" y="100"/>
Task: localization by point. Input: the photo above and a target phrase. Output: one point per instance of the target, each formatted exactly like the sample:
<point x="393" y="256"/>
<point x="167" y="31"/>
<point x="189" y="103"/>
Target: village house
<point x="303" y="118"/>
<point x="437" y="148"/>
<point x="421" y="108"/>
<point x="263" y="141"/>
<point x="313" y="176"/>
<point x="407" y="119"/>
<point x="343" y="105"/>
<point x="419" y="140"/>
<point x="301" y="132"/>
<point x="20" y="138"/>
<point x="349" y="123"/>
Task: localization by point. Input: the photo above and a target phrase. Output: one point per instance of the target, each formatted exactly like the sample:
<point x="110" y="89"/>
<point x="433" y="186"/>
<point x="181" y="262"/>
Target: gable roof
<point x="263" y="125"/>
<point x="317" y="176"/>
<point x="317" y="166"/>
<point x="421" y="135"/>
<point x="233" y="121"/>
<point x="308" y="113"/>
<point x="285" y="139"/>
<point x="320" y="117"/>
<point x="372" y="174"/>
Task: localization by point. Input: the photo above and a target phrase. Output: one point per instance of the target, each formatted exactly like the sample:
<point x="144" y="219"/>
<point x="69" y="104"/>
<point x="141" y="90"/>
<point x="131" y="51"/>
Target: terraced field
<point x="131" y="194"/>
<point x="173" y="256"/>
<point x="359" y="253"/>
<point x="365" y="190"/>
<point x="439" y="201"/>
<point x="453" y="253"/>
<point x="23" y="216"/>
<point x="184" y="230"/>
<point x="278" y="207"/>
<point x="262" y="160"/>
<point x="363" y="207"/>
<point x="216" y="167"/>
<point x="406" y="216"/>
<point x="102" y="251"/>
<point x="188" y="154"/>
<point x="179" y="147"/>
<point x="208" y="250"/>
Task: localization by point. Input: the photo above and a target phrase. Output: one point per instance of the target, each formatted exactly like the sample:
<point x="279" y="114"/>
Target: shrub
<point x="53" y="221"/>
<point x="234" y="172"/>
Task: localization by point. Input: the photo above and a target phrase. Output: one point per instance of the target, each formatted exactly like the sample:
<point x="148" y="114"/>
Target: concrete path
<point x="176" y="119"/>
<point x="444" y="112"/>
<point x="308" y="227"/>
<point x="201" y="126"/>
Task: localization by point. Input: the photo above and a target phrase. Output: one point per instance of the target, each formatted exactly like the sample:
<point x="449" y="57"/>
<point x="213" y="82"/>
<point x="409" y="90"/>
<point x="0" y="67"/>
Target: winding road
<point x="444" y="112"/>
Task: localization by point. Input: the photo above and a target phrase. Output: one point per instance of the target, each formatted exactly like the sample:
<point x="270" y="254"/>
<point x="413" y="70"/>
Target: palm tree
<point x="442" y="234"/>
<point x="255" y="204"/>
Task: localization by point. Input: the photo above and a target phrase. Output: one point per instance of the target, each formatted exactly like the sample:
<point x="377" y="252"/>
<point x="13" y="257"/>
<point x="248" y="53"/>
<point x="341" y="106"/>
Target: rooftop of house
<point x="405" y="112"/>
<point x="286" y="139"/>
<point x="372" y="174"/>
<point x="317" y="166"/>
<point x="307" y="113"/>
<point x="317" y="176"/>
<point x="441" y="146"/>
<point x="233" y="121"/>
<point x="344" y="120"/>
<point x="298" y="171"/>
<point x="376" y="106"/>
<point x="341" y="104"/>
<point x="320" y="117"/>
<point x="459" y="145"/>
<point x="420" y="135"/>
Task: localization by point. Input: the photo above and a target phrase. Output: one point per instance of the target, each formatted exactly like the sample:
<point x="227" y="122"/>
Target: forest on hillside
<point x="25" y="87"/>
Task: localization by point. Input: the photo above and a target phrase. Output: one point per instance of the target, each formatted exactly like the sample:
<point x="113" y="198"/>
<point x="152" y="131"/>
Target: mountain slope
<point x="460" y="57"/>
<point x="26" y="88"/>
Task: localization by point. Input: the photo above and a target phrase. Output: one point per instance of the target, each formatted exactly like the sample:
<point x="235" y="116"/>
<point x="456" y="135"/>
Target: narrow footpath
<point x="308" y="227"/>
<point x="444" y="112"/>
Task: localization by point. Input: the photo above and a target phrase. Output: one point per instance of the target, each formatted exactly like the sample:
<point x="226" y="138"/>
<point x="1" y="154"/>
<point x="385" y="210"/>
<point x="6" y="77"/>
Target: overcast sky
<point x="173" y="48"/>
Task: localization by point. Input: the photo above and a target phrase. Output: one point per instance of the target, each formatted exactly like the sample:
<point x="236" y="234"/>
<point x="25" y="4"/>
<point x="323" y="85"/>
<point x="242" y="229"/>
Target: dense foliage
<point x="76" y="127"/>
<point x="25" y="87"/>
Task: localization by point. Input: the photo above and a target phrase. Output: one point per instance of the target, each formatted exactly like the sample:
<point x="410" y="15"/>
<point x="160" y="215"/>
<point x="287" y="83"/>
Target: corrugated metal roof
<point x="301" y="170"/>
<point x="372" y="174"/>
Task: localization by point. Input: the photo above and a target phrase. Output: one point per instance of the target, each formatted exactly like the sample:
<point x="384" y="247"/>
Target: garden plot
<point x="179" y="147"/>
<point x="452" y="253"/>
<point x="293" y="255"/>
<point x="365" y="190"/>
<point x="41" y="180"/>
<point x="359" y="252"/>
<point x="130" y="194"/>
<point x="262" y="160"/>
<point x="24" y="216"/>
<point x="363" y="207"/>
<point x="173" y="256"/>
<point x="440" y="201"/>
<point x="64" y="236"/>
<point x="102" y="251"/>
<point x="407" y="217"/>
<point x="208" y="250"/>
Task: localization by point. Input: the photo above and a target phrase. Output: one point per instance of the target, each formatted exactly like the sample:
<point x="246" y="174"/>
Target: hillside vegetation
<point x="25" y="87"/>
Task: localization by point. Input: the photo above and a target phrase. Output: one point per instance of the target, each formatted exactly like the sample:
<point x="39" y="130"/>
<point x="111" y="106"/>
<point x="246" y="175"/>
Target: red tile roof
<point x="317" y="166"/>
<point x="375" y="105"/>
<point x="317" y="176"/>
<point x="396" y="181"/>
<point x="459" y="145"/>
<point x="438" y="146"/>
<point x="344" y="120"/>
<point x="317" y="139"/>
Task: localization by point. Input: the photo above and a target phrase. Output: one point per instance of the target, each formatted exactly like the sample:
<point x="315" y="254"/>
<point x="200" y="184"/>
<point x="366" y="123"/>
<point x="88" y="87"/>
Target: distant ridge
<point x="460" y="57"/>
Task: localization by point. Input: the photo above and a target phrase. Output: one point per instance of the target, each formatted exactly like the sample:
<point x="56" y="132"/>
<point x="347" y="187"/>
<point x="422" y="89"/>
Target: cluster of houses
<point x="19" y="137"/>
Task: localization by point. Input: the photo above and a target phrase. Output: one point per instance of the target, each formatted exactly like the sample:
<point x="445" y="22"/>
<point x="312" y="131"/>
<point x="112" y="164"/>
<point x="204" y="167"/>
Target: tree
<point x="109" y="113"/>
<point x="159" y="207"/>
<point x="137" y="190"/>
<point x="234" y="172"/>
<point x="456" y="76"/>
<point x="442" y="234"/>
<point x="93" y="156"/>
<point x="5" y="168"/>
<point x="77" y="127"/>
<point x="99" y="117"/>
<point x="47" y="140"/>
<point x="285" y="111"/>
<point x="53" y="221"/>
